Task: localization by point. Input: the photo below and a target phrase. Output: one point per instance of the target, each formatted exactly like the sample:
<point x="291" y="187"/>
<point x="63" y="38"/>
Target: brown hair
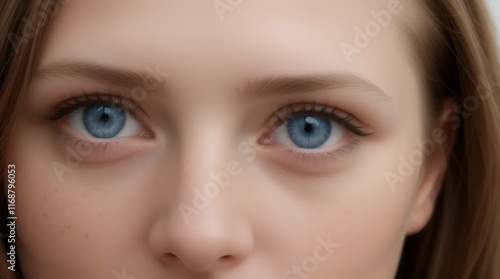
<point x="458" y="56"/>
<point x="22" y="27"/>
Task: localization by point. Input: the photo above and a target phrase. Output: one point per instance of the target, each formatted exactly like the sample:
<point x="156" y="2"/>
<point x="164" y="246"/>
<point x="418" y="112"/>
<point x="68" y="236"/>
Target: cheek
<point x="372" y="225"/>
<point x="368" y="222"/>
<point x="80" y="222"/>
<point x="378" y="197"/>
<point x="358" y="209"/>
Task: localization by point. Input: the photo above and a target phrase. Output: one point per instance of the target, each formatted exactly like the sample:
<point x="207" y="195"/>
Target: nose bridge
<point x="204" y="150"/>
<point x="206" y="127"/>
<point x="208" y="150"/>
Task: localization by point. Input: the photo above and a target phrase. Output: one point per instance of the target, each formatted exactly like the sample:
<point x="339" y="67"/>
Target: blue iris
<point x="309" y="131"/>
<point x="103" y="121"/>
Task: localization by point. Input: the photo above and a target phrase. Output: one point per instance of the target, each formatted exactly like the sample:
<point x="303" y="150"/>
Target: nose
<point x="214" y="239"/>
<point x="204" y="224"/>
<point x="202" y="234"/>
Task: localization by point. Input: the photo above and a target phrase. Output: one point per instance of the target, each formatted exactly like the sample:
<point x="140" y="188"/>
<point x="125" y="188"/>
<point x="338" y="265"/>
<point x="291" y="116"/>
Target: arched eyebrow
<point x="330" y="81"/>
<point x="255" y="88"/>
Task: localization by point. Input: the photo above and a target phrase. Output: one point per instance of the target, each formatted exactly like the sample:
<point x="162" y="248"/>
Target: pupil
<point x="308" y="128"/>
<point x="104" y="117"/>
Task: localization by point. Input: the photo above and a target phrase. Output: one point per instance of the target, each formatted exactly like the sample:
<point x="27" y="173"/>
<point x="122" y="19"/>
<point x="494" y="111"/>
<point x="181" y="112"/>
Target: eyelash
<point x="93" y="98"/>
<point x="278" y="118"/>
<point x="286" y="113"/>
<point x="101" y="147"/>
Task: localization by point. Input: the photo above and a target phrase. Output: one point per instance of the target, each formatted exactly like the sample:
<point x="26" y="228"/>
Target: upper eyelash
<point x="288" y="112"/>
<point x="69" y="105"/>
<point x="280" y="116"/>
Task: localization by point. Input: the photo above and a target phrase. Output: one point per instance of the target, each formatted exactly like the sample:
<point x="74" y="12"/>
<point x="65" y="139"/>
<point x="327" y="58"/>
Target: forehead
<point x="255" y="37"/>
<point x="220" y="23"/>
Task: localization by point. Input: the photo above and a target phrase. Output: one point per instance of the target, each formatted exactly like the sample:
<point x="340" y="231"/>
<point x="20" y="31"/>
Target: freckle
<point x="44" y="196"/>
<point x="56" y="189"/>
<point x="87" y="236"/>
<point x="63" y="232"/>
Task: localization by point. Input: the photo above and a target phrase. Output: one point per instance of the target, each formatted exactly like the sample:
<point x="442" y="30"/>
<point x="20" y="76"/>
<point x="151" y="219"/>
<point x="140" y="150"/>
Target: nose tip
<point x="201" y="250"/>
<point x="213" y="240"/>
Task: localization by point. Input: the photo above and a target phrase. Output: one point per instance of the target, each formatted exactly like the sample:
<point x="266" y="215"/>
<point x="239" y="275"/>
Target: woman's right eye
<point x="104" y="121"/>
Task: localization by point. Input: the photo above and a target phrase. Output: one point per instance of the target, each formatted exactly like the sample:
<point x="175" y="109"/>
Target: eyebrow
<point x="95" y="72"/>
<point x="266" y="86"/>
<point x="256" y="88"/>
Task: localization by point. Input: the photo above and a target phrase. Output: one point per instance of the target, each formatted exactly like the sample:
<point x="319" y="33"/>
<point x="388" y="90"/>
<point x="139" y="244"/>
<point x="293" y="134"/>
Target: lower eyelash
<point x="319" y="158"/>
<point x="89" y="148"/>
<point x="89" y="151"/>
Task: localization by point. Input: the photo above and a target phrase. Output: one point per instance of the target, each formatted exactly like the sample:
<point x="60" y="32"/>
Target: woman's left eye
<point x="311" y="126"/>
<point x="309" y="131"/>
<point x="103" y="121"/>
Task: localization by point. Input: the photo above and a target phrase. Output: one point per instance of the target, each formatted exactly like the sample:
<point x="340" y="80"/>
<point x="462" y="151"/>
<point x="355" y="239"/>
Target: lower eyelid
<point x="78" y="152"/>
<point x="75" y="146"/>
<point x="317" y="161"/>
<point x="346" y="140"/>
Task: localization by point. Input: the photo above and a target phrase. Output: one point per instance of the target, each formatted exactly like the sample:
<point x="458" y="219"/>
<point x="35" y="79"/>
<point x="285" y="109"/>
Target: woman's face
<point x="224" y="139"/>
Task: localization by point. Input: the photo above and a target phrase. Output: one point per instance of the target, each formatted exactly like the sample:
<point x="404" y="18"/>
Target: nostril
<point x="228" y="258"/>
<point x="171" y="257"/>
<point x="196" y="265"/>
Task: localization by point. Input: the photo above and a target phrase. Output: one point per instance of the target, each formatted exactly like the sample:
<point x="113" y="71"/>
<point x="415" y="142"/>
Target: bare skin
<point x="204" y="179"/>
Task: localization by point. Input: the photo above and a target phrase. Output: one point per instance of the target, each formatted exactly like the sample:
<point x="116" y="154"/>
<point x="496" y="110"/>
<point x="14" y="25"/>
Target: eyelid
<point x="94" y="98"/>
<point x="71" y="105"/>
<point x="317" y="161"/>
<point x="285" y="113"/>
